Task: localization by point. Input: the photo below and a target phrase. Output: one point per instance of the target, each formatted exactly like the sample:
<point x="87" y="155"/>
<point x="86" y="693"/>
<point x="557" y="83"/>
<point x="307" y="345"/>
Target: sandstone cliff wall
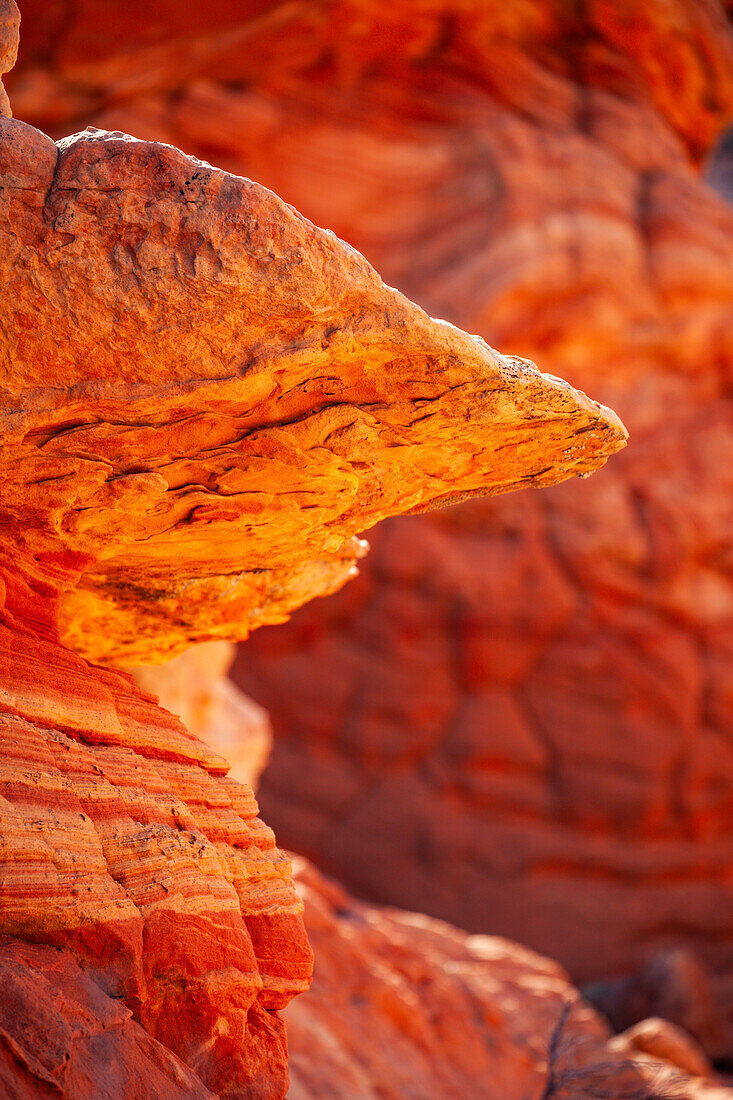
<point x="533" y="699"/>
<point x="203" y="399"/>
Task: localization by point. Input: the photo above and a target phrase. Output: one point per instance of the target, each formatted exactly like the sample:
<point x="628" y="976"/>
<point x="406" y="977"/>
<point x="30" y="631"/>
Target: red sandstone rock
<point x="58" y="1029"/>
<point x="9" y="19"/>
<point x="125" y="845"/>
<point x="678" y="988"/>
<point x="532" y="698"/>
<point x="659" y="1039"/>
<point x="402" y="1005"/>
<point x="552" y="675"/>
<point x="195" y="687"/>
<point x="126" y="848"/>
<point x="204" y="398"/>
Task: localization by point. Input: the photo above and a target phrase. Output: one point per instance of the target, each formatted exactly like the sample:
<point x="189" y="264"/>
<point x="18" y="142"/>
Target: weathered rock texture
<point x="203" y="399"/>
<point x="136" y="881"/>
<point x="402" y="1005"/>
<point x="676" y="986"/>
<point x="528" y="704"/>
<point x="551" y="675"/>
<point x="205" y="450"/>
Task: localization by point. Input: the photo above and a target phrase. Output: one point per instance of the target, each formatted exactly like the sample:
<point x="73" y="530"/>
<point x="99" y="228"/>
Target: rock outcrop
<point x="245" y="438"/>
<point x="136" y="881"/>
<point x="677" y="987"/>
<point x="554" y="671"/>
<point x="532" y="697"/>
<point x="203" y="399"/>
<point x="402" y="1005"/>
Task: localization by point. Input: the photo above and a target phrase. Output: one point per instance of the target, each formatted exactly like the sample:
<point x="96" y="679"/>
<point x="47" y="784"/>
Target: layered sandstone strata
<point x="204" y="399"/>
<point x="149" y="930"/>
<point x="195" y="687"/>
<point x="554" y="677"/>
<point x="533" y="697"/>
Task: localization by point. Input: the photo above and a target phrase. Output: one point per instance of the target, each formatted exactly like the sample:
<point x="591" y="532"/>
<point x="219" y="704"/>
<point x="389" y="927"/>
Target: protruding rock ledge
<point x="206" y="397"/>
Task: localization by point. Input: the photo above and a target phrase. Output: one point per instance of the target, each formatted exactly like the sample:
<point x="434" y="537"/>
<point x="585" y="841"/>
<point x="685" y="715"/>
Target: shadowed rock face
<point x="403" y="1005"/>
<point x="203" y="398"/>
<point x="719" y="169"/>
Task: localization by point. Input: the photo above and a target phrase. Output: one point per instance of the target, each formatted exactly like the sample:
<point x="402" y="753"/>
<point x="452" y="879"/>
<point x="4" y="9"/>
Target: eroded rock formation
<point x="135" y="880"/>
<point x="532" y="698"/>
<point x="402" y="1005"/>
<point x="204" y="399"/>
<point x="530" y="172"/>
<point x="244" y="438"/>
<point x="405" y="1005"/>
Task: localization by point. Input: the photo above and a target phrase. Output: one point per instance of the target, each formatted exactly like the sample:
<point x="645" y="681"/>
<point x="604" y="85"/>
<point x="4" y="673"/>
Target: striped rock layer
<point x="531" y="694"/>
<point x="148" y="923"/>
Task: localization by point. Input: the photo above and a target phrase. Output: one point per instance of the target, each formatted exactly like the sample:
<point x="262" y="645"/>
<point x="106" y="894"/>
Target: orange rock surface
<point x="531" y="697"/>
<point x="527" y="170"/>
<point x="203" y="398"/>
<point x="159" y="409"/>
<point x="402" y="1005"/>
<point x="146" y="877"/>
